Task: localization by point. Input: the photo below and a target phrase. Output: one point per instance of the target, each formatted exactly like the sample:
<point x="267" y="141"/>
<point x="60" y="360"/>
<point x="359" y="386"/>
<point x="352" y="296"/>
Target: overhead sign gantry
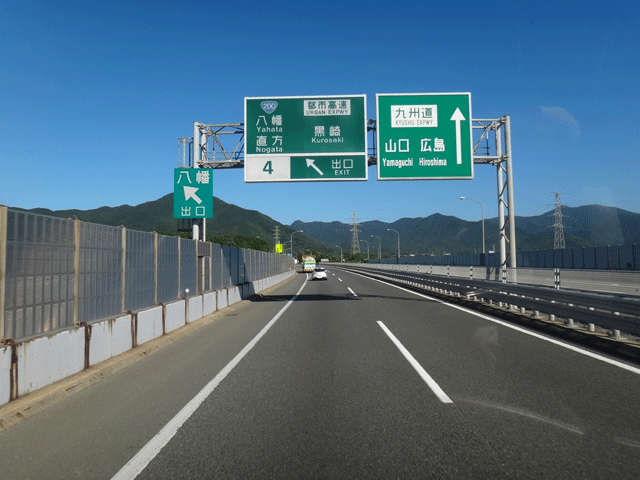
<point x="317" y="138"/>
<point x="431" y="134"/>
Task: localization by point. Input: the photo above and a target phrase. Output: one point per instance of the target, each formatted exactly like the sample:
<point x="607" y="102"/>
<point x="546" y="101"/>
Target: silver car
<point x="319" y="273"/>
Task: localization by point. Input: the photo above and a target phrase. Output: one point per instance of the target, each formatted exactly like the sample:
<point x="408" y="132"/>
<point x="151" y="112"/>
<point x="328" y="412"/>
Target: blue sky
<point x="94" y="96"/>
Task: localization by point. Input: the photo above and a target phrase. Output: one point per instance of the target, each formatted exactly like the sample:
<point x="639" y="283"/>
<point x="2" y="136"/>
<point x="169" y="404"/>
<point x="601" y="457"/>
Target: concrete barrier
<point x="208" y="303"/>
<point x="194" y="308"/>
<point x="46" y="360"/>
<point x="235" y="295"/>
<point x="174" y="316"/>
<point x="222" y="298"/>
<point x="5" y="374"/>
<point x="149" y="324"/>
<point x="110" y="338"/>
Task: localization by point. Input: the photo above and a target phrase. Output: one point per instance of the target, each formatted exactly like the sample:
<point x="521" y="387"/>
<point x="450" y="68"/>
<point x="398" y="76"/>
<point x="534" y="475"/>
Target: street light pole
<point x="367" y="248"/>
<point x="392" y="230"/>
<point x="482" y="212"/>
<point x="297" y="231"/>
<point x="338" y="246"/>
<point x="379" y="246"/>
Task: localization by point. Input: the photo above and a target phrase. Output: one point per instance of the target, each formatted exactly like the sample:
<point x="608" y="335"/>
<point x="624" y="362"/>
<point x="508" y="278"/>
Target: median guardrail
<point x="590" y="308"/>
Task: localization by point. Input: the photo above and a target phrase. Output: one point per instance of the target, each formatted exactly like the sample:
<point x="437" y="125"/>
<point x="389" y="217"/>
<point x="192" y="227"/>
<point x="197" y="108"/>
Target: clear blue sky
<point x="94" y="95"/>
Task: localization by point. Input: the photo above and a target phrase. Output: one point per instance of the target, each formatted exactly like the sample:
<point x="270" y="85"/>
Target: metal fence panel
<point x="41" y="268"/>
<point x="139" y="270"/>
<point x="204" y="266"/>
<point x="233" y="265"/>
<point x="226" y="265"/>
<point x="626" y="257"/>
<point x="168" y="269"/>
<point x="100" y="272"/>
<point x="241" y="266"/>
<point x="39" y="274"/>
<point x="188" y="266"/>
<point x="589" y="257"/>
<point x="613" y="258"/>
<point x="601" y="258"/>
<point x="216" y="267"/>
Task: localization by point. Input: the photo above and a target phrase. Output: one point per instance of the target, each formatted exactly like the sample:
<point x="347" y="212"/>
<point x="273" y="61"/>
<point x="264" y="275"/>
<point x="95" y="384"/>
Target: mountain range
<point x="589" y="225"/>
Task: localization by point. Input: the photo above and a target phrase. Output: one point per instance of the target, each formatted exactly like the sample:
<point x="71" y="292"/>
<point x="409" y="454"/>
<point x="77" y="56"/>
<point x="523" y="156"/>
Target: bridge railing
<point x="603" y="281"/>
<point x="56" y="273"/>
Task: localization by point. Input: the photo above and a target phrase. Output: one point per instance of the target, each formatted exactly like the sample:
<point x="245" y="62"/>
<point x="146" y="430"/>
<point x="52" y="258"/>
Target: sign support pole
<point x="501" y="202"/>
<point x="510" y="196"/>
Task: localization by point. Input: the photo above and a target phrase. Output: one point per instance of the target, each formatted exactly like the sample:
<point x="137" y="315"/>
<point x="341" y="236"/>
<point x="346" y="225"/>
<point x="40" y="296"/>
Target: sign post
<point x="424" y="136"/>
<point x="192" y="193"/>
<point x="289" y="139"/>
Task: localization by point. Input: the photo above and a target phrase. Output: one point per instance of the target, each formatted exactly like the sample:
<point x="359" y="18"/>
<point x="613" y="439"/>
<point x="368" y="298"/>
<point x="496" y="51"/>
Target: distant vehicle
<point x="319" y="273"/>
<point x="309" y="264"/>
<point x="324" y="260"/>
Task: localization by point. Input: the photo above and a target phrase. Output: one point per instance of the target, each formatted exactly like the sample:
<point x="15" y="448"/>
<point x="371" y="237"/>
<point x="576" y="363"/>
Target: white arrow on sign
<point x="190" y="192"/>
<point x="458" y="117"/>
<point x="311" y="163"/>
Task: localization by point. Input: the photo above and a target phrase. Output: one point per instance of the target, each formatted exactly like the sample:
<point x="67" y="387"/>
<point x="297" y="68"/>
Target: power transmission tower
<point x="355" y="243"/>
<point x="558" y="237"/>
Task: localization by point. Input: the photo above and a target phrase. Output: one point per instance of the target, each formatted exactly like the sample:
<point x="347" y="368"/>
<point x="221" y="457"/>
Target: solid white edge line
<point x="519" y="329"/>
<point x="354" y="293"/>
<point x="435" y="388"/>
<point x="140" y="461"/>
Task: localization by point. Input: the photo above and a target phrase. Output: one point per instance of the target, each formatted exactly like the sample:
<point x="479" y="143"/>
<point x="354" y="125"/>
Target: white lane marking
<point x="157" y="443"/>
<point x="435" y="388"/>
<point x="340" y="279"/>
<point x="519" y="329"/>
<point x="354" y="293"/>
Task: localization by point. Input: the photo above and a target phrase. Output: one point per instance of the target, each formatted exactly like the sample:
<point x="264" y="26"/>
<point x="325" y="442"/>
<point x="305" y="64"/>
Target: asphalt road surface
<point x="345" y="378"/>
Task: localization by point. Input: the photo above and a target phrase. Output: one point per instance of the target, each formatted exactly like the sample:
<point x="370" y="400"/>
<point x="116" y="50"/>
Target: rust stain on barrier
<point x="13" y="371"/>
<point x="87" y="343"/>
<point x="134" y="329"/>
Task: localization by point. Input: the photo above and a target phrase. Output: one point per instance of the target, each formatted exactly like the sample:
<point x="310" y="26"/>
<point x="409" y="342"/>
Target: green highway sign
<point x="305" y="138"/>
<point x="424" y="136"/>
<point x="192" y="193"/>
<point x="306" y="168"/>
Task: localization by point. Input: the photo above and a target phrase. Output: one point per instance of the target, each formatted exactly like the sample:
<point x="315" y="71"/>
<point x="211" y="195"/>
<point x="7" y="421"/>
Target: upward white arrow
<point x="310" y="163"/>
<point x="190" y="192"/>
<point x="458" y="117"/>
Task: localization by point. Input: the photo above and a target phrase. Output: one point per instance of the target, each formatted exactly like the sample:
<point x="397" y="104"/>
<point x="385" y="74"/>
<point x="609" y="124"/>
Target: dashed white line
<point x="340" y="279"/>
<point x="435" y="388"/>
<point x="354" y="293"/>
<point x="573" y="348"/>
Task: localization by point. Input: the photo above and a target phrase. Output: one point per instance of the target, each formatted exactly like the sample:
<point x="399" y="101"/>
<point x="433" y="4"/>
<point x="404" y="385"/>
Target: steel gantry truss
<point x="499" y="130"/>
<point x="210" y="152"/>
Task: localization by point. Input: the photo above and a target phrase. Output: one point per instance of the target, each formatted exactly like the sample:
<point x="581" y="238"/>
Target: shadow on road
<point x="300" y="298"/>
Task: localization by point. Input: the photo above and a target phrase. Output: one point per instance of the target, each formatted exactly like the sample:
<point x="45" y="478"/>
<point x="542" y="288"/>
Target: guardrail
<point x="589" y="308"/>
<point x="604" y="281"/>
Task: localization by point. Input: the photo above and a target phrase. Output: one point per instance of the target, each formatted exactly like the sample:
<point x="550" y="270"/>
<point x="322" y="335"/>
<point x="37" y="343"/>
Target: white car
<point x="319" y="273"/>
